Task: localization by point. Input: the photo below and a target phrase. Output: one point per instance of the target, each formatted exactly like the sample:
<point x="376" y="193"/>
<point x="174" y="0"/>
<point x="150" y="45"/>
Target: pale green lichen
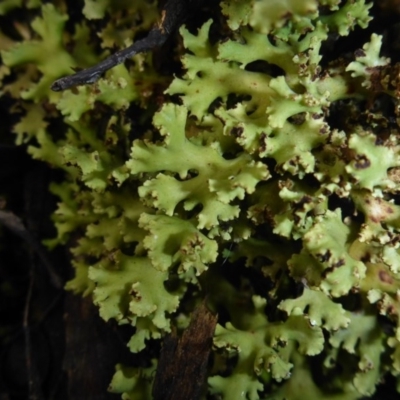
<point x="368" y="60"/>
<point x="263" y="346"/>
<point x="135" y="383"/>
<point x="236" y="164"/>
<point x="49" y="29"/>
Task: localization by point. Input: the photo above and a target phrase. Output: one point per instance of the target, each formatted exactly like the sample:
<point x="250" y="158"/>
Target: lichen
<point x="263" y="175"/>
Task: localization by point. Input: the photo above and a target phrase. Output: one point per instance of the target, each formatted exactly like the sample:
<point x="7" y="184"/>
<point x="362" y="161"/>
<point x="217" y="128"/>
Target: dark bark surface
<point x="182" y="368"/>
<point x="54" y="345"/>
<point x="91" y="351"/>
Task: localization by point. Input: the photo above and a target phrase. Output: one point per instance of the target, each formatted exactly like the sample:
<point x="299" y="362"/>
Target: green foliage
<point x="322" y="311"/>
<point x="205" y="177"/>
<point x="263" y="348"/>
<point x="263" y="176"/>
<point x="49" y="29"/>
<point x="134" y="383"/>
<point x="368" y="60"/>
<point x="324" y="247"/>
<point x="131" y="290"/>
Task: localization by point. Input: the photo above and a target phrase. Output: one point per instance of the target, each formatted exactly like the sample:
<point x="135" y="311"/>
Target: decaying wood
<point x="182" y="368"/>
<point x="92" y="350"/>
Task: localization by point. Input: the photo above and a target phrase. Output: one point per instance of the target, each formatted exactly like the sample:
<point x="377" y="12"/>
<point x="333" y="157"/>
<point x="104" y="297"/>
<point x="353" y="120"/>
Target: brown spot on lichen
<point x="299" y="206"/>
<point x="293" y="161"/>
<point x="263" y="143"/>
<point x="385" y="277"/>
<point x="135" y="294"/>
<point x="316" y="73"/>
<point x="359" y="53"/>
<point x="304" y="200"/>
<point x="325" y="257"/>
<point x="287" y="15"/>
<point x="386" y="309"/>
<point x="378" y="210"/>
<point x="261" y="214"/>
<point x="332" y="267"/>
<point x="237" y="131"/>
<point x="362" y="162"/>
<point x="338" y="264"/>
<point x="96" y="89"/>
<point x="297" y="119"/>
<point x="376" y="78"/>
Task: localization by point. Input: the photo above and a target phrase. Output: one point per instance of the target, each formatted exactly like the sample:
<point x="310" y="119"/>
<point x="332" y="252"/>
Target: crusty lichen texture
<point x="263" y="174"/>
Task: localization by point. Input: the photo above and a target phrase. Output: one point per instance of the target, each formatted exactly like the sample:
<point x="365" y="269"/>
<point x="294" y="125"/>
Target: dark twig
<point x="172" y="16"/>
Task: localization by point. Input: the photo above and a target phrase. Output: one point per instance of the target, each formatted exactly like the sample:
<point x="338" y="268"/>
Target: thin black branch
<point x="172" y="16"/>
